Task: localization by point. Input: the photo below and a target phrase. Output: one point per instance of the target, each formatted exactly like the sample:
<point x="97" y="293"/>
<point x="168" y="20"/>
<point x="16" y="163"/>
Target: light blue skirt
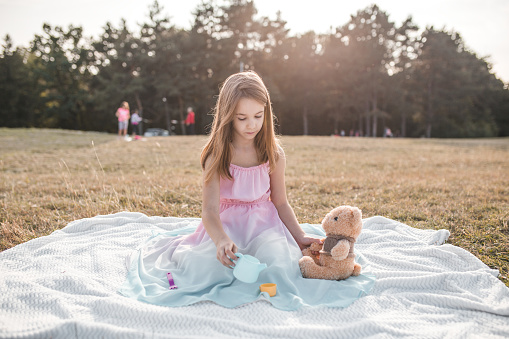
<point x="190" y="255"/>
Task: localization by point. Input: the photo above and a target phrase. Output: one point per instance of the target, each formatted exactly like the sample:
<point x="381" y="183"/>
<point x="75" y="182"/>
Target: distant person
<point x="123" y="116"/>
<point x="387" y="132"/>
<point x="135" y="122"/>
<point x="189" y="121"/>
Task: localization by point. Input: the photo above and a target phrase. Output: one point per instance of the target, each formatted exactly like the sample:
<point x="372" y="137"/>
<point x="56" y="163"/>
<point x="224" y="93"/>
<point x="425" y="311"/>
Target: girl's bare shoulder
<point x="280" y="150"/>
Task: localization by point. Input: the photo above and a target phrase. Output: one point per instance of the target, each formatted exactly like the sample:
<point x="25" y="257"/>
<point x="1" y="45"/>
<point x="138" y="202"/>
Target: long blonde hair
<point x="219" y="145"/>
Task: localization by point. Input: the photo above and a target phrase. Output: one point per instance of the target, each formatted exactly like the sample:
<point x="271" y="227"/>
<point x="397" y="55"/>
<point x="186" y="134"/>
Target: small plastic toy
<point x="170" y="280"/>
<point x="269" y="288"/>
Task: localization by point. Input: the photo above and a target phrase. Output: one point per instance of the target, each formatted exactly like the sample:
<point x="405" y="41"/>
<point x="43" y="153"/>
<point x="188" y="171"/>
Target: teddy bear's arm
<point x="316" y="246"/>
<point x="340" y="250"/>
<point x="307" y="252"/>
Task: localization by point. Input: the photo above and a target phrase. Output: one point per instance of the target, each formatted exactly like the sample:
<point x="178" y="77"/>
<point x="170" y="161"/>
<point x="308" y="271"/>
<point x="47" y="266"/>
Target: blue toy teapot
<point x="247" y="268"/>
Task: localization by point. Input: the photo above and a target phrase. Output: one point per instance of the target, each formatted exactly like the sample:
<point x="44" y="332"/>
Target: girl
<point x="123" y="119"/>
<point x="243" y="143"/>
<point x="135" y="122"/>
<point x="244" y="210"/>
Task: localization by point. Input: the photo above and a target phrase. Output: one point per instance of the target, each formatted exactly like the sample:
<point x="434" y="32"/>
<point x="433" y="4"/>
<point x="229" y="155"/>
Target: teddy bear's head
<point x="343" y="220"/>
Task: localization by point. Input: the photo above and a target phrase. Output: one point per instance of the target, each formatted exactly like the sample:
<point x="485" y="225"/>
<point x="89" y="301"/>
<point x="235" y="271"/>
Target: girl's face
<point x="248" y="120"/>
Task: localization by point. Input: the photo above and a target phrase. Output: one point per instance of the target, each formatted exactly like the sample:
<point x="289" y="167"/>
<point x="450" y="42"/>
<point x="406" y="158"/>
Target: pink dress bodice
<point x="249" y="185"/>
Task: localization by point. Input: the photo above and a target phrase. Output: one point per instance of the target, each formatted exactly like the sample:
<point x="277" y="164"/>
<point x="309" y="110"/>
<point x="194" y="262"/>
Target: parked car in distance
<point x="155" y="132"/>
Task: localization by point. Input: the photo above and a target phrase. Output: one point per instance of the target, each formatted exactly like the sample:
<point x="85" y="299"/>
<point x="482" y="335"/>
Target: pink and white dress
<point x="251" y="220"/>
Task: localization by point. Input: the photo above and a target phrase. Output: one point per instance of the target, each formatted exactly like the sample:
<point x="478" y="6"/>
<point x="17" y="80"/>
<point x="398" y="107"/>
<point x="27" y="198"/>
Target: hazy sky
<point x="483" y="24"/>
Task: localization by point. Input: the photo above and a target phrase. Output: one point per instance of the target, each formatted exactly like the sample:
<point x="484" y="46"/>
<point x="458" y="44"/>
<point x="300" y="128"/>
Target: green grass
<point x="52" y="177"/>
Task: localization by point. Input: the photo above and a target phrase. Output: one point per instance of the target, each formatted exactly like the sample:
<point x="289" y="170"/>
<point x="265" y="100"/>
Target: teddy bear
<point x="336" y="259"/>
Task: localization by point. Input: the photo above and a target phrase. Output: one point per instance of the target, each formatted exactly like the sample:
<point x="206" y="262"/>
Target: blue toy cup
<point x="247" y="268"/>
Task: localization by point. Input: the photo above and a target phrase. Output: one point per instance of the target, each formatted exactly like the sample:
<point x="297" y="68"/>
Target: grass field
<point x="52" y="177"/>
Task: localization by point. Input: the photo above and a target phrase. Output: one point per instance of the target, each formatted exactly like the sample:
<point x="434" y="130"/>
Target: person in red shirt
<point x="190" y="121"/>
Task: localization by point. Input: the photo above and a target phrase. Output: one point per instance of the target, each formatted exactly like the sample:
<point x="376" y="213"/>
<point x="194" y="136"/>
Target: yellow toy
<point x="336" y="259"/>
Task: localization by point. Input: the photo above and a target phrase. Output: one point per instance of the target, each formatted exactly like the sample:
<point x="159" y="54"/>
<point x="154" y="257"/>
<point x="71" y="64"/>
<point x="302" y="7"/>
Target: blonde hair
<point x="219" y="146"/>
<point x="125" y="104"/>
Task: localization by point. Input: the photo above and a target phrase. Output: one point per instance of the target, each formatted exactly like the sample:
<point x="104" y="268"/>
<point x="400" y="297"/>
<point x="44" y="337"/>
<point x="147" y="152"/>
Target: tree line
<point x="362" y="76"/>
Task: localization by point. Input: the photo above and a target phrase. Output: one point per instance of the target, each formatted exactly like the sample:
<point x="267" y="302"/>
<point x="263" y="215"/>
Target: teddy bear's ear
<point x="356" y="214"/>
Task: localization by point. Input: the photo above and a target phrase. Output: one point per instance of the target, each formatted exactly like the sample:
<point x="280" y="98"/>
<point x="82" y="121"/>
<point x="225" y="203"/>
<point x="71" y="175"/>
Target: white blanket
<point x="64" y="286"/>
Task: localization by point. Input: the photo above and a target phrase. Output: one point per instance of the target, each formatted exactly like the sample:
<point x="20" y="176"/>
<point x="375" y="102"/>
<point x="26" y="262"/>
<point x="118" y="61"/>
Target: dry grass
<point x="52" y="177"/>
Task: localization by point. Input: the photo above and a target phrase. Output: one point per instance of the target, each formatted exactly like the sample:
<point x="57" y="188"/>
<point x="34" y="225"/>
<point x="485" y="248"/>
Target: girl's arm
<point x="285" y="211"/>
<point x="226" y="248"/>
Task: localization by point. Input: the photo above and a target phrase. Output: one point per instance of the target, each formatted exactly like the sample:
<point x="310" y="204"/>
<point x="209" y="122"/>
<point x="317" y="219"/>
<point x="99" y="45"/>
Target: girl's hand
<point x="306" y="241"/>
<point x="226" y="249"/>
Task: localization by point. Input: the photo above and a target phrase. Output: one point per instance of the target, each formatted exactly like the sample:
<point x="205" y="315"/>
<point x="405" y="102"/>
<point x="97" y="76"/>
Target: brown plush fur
<point x="339" y="264"/>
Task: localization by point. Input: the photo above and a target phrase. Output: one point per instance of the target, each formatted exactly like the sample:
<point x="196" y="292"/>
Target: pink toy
<point x="170" y="280"/>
